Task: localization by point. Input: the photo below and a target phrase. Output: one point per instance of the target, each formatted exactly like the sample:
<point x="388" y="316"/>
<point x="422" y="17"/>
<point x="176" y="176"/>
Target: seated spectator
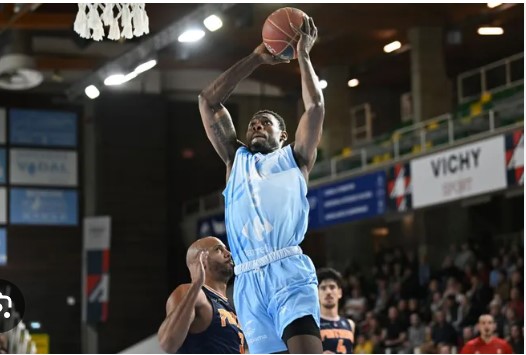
<point x="516" y="339"/>
<point x="442" y="331"/>
<point x="516" y="303"/>
<point x="467" y="335"/>
<point x="363" y="345"/>
<point x="356" y="305"/>
<point x="494" y="273"/>
<point x="495" y="308"/>
<point x="394" y="333"/>
<point x="417" y="332"/>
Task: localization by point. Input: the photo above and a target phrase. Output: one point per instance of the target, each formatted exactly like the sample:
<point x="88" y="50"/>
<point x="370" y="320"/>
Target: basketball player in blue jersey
<point x="266" y="209"/>
<point x="199" y="319"/>
<point x="337" y="333"/>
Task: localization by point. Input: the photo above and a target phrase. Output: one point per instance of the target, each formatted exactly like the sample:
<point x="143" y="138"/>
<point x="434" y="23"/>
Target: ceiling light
<point x="115" y="79"/>
<point x="145" y="66"/>
<point x="353" y="83"/>
<point x="92" y="92"/>
<point x="191" y="36"/>
<point x="393" y="46"/>
<point x="490" y="31"/>
<point x="492" y="4"/>
<point x="129" y="77"/>
<point x="213" y="23"/>
<point x="323" y="84"/>
<point x="35" y="325"/>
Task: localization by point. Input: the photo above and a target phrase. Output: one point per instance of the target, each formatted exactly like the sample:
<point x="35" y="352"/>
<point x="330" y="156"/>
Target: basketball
<point x="279" y="37"/>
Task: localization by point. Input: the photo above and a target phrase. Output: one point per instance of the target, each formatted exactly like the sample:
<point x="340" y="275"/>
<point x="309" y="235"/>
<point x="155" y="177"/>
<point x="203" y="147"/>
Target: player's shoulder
<point x="351" y="323"/>
<point x="180" y="292"/>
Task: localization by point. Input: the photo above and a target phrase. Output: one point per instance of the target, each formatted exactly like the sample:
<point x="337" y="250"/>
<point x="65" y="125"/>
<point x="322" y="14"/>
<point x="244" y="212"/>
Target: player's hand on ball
<point x="268" y="58"/>
<point x="308" y="35"/>
<point x="197" y="269"/>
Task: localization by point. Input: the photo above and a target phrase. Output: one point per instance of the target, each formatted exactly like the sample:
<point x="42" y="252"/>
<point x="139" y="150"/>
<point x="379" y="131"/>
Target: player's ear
<point x="283" y="136"/>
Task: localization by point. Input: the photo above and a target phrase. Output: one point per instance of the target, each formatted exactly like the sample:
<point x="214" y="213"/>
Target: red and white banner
<point x="465" y="171"/>
<point x="97" y="231"/>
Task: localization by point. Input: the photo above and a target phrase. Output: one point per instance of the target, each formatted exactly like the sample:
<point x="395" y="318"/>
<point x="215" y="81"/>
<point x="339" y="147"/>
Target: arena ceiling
<point x="349" y="34"/>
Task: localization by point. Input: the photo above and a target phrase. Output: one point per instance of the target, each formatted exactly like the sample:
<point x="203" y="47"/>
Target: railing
<point x="493" y="77"/>
<point x="405" y="142"/>
<point x="411" y="141"/>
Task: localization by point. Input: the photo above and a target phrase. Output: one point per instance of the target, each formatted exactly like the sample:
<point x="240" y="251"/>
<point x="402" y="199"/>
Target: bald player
<point x="487" y="343"/>
<point x="199" y="318"/>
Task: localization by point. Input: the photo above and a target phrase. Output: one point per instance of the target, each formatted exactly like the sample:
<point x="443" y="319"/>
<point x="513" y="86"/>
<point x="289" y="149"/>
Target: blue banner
<point x="347" y="201"/>
<point x="43" y="128"/>
<point x="43" y="207"/>
<point x="3" y="247"/>
<point x="3" y="170"/>
<point x="212" y="226"/>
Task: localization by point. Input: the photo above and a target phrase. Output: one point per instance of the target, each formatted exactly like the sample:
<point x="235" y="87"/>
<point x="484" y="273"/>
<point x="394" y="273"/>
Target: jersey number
<point x="341" y="349"/>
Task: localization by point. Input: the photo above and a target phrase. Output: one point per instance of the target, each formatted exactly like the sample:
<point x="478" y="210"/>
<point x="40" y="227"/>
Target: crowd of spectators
<point x="403" y="305"/>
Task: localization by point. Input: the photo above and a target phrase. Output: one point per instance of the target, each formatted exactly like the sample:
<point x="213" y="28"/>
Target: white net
<point x="123" y="20"/>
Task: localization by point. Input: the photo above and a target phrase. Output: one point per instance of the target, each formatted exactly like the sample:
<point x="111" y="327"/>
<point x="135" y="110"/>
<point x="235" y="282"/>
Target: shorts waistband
<point x="267" y="259"/>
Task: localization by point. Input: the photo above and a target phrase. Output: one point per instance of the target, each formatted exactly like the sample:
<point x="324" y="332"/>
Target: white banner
<point x="96" y="233"/>
<point x="465" y="171"/>
<point x="43" y="167"/>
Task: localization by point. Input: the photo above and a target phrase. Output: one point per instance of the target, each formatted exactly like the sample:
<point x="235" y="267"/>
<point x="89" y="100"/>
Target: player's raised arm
<point x="309" y="130"/>
<point x="216" y="118"/>
<point x="181" y="309"/>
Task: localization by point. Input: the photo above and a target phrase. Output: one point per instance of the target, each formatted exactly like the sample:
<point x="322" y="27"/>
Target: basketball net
<point x="92" y="18"/>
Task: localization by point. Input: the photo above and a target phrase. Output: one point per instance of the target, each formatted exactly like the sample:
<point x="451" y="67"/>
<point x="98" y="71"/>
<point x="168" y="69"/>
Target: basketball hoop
<point x="92" y="18"/>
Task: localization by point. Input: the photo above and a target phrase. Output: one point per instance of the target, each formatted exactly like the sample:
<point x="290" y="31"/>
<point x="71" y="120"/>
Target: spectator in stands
<point x="450" y="308"/>
<point x="516" y="339"/>
<point x="424" y="270"/>
<point x="403" y="313"/>
<point x="495" y="307"/>
<point x="444" y="349"/>
<point x="394" y="333"/>
<point x="442" y="331"/>
<point x="516" y="303"/>
<point x="503" y="286"/>
<point x="417" y="332"/>
<point x="494" y="273"/>
<point x="516" y="280"/>
<point x="465" y="257"/>
<point x="437" y="302"/>
<point x="356" y="305"/>
<point x="479" y="294"/>
<point x="363" y="345"/>
<point x="467" y="335"/>
<point x="482" y="272"/>
<point x="511" y="319"/>
<point x="466" y="314"/>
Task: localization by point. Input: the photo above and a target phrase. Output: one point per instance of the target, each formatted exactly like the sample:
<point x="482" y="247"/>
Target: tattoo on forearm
<point x="223" y="129"/>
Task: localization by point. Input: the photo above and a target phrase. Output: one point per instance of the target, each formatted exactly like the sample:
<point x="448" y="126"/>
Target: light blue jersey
<point x="266" y="217"/>
<point x="266" y="207"/>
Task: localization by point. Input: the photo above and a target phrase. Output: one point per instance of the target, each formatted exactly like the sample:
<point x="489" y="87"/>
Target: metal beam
<point x="148" y="47"/>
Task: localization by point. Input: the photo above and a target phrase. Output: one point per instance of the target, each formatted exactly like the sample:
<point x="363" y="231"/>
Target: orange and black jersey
<point x="223" y="335"/>
<point x="337" y="336"/>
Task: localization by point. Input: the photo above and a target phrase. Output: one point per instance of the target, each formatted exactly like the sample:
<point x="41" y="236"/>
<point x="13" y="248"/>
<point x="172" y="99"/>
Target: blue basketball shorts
<point x="269" y="298"/>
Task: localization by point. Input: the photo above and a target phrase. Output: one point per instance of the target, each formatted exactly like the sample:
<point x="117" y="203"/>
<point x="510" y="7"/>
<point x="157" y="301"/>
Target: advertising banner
<point x="465" y="171"/>
<point x="42" y="128"/>
<point x="43" y="207"/>
<point x="346" y="201"/>
<point x="42" y="167"/>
